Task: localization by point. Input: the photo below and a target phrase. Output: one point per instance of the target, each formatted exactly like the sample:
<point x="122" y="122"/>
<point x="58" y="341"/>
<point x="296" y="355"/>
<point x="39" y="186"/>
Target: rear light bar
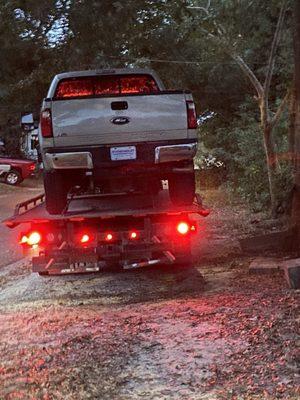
<point x="191" y="115"/>
<point x="46" y="123"/>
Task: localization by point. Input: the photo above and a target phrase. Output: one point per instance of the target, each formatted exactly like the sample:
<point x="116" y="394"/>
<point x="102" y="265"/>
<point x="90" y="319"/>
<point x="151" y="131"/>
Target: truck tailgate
<point x="90" y="121"/>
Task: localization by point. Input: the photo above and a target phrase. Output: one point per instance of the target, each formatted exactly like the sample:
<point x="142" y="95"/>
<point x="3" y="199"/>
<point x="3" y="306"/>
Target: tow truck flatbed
<point x="97" y="231"/>
<point x="103" y="207"/>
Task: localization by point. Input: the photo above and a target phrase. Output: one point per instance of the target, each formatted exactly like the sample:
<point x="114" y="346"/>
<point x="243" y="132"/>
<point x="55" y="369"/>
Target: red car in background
<point x="19" y="169"/>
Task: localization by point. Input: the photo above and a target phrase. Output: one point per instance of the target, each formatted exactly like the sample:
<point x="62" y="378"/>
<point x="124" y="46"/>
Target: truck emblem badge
<point x="120" y="120"/>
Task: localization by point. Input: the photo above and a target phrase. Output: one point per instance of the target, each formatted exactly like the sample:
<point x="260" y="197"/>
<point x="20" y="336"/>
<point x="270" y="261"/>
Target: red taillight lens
<point x="133" y="235"/>
<point x="23" y="240"/>
<point x="34" y="238"/>
<point x="191" y="115"/>
<point x="183" y="228"/>
<point x="32" y="167"/>
<point x="31" y="239"/>
<point x="46" y="123"/>
<point x="109" y="237"/>
<point x="85" y="238"/>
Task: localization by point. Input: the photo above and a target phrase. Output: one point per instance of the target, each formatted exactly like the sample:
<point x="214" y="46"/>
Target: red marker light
<point x="34" y="238"/>
<point x="109" y="237"/>
<point x="85" y="238"/>
<point x="133" y="235"/>
<point x="24" y="239"/>
<point x="183" y="228"/>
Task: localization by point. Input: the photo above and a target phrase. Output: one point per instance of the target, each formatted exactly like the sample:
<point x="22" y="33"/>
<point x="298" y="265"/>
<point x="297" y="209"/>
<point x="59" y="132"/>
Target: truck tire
<point x="13" y="177"/>
<point x="182" y="188"/>
<point x="55" y="191"/>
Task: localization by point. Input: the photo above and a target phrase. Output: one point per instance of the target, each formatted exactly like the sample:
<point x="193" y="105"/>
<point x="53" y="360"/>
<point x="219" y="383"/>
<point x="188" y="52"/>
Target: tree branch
<point x="280" y="109"/>
<point x="273" y="50"/>
<point x="241" y="63"/>
<point x="249" y="73"/>
<point x="204" y="9"/>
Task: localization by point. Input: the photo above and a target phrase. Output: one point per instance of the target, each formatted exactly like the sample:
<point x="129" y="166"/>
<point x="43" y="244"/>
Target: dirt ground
<point x="210" y="332"/>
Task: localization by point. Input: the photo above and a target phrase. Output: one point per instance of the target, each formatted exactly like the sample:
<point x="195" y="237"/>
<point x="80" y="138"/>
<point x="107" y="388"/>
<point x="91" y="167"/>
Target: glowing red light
<point x="24" y="239"/>
<point x="133" y="235"/>
<point x="85" y="238"/>
<point x="183" y="228"/>
<point x="34" y="238"/>
<point x="109" y="237"/>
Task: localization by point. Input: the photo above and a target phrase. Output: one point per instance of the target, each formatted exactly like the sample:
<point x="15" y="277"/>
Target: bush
<point x="239" y="144"/>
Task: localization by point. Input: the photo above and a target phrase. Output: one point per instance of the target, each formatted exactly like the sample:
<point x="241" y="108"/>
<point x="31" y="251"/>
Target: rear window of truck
<point x="106" y="85"/>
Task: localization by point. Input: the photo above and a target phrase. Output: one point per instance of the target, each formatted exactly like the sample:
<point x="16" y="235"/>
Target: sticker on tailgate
<point x="123" y="153"/>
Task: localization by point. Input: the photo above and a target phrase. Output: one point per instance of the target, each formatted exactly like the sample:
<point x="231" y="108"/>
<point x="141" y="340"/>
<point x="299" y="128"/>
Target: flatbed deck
<point x="104" y="207"/>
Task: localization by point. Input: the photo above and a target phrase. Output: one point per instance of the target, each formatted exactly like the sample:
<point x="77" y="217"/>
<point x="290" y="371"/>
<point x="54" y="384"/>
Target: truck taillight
<point x="31" y="167"/>
<point x="133" y="235"/>
<point x="185" y="228"/>
<point x="85" y="238"/>
<point x="31" y="239"/>
<point x="191" y="115"/>
<point x="46" y="123"/>
<point x="109" y="237"/>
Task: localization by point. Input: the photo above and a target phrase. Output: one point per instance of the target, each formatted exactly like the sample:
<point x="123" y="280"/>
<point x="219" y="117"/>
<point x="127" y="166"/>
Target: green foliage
<point x="239" y="144"/>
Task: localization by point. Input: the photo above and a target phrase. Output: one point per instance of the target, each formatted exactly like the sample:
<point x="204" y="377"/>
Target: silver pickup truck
<point x="116" y="130"/>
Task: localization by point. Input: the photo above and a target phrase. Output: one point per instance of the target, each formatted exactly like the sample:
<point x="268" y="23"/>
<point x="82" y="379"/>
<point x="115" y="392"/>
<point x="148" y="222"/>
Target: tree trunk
<point x="292" y="124"/>
<point x="271" y="159"/>
<point x="269" y="147"/>
<point x="295" y="216"/>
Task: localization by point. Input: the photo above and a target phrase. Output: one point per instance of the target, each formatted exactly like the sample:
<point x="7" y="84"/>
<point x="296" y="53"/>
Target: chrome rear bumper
<point x="78" y="160"/>
<point x="178" y="152"/>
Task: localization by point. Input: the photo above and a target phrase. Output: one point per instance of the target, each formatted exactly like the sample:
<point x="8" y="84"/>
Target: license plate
<point x="123" y="153"/>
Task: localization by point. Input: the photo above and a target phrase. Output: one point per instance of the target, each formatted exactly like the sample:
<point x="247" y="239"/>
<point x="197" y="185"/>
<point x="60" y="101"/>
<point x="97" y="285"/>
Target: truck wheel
<point x="56" y="192"/>
<point x="13" y="177"/>
<point x="182" y="188"/>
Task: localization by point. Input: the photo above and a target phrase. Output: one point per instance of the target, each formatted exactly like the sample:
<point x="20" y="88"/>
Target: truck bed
<point x="103" y="207"/>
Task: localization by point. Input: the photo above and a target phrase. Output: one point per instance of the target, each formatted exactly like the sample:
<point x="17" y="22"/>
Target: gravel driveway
<point x="209" y="332"/>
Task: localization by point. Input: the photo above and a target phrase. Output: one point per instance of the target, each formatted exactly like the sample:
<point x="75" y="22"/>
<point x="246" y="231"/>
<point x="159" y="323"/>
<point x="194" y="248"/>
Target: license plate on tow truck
<point x="123" y="153"/>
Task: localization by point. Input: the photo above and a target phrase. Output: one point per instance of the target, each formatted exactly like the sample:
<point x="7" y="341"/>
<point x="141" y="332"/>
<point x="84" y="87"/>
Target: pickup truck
<point x="113" y="131"/>
<point x="15" y="170"/>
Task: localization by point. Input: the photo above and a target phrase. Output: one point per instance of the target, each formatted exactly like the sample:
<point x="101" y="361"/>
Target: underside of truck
<point x="132" y="178"/>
